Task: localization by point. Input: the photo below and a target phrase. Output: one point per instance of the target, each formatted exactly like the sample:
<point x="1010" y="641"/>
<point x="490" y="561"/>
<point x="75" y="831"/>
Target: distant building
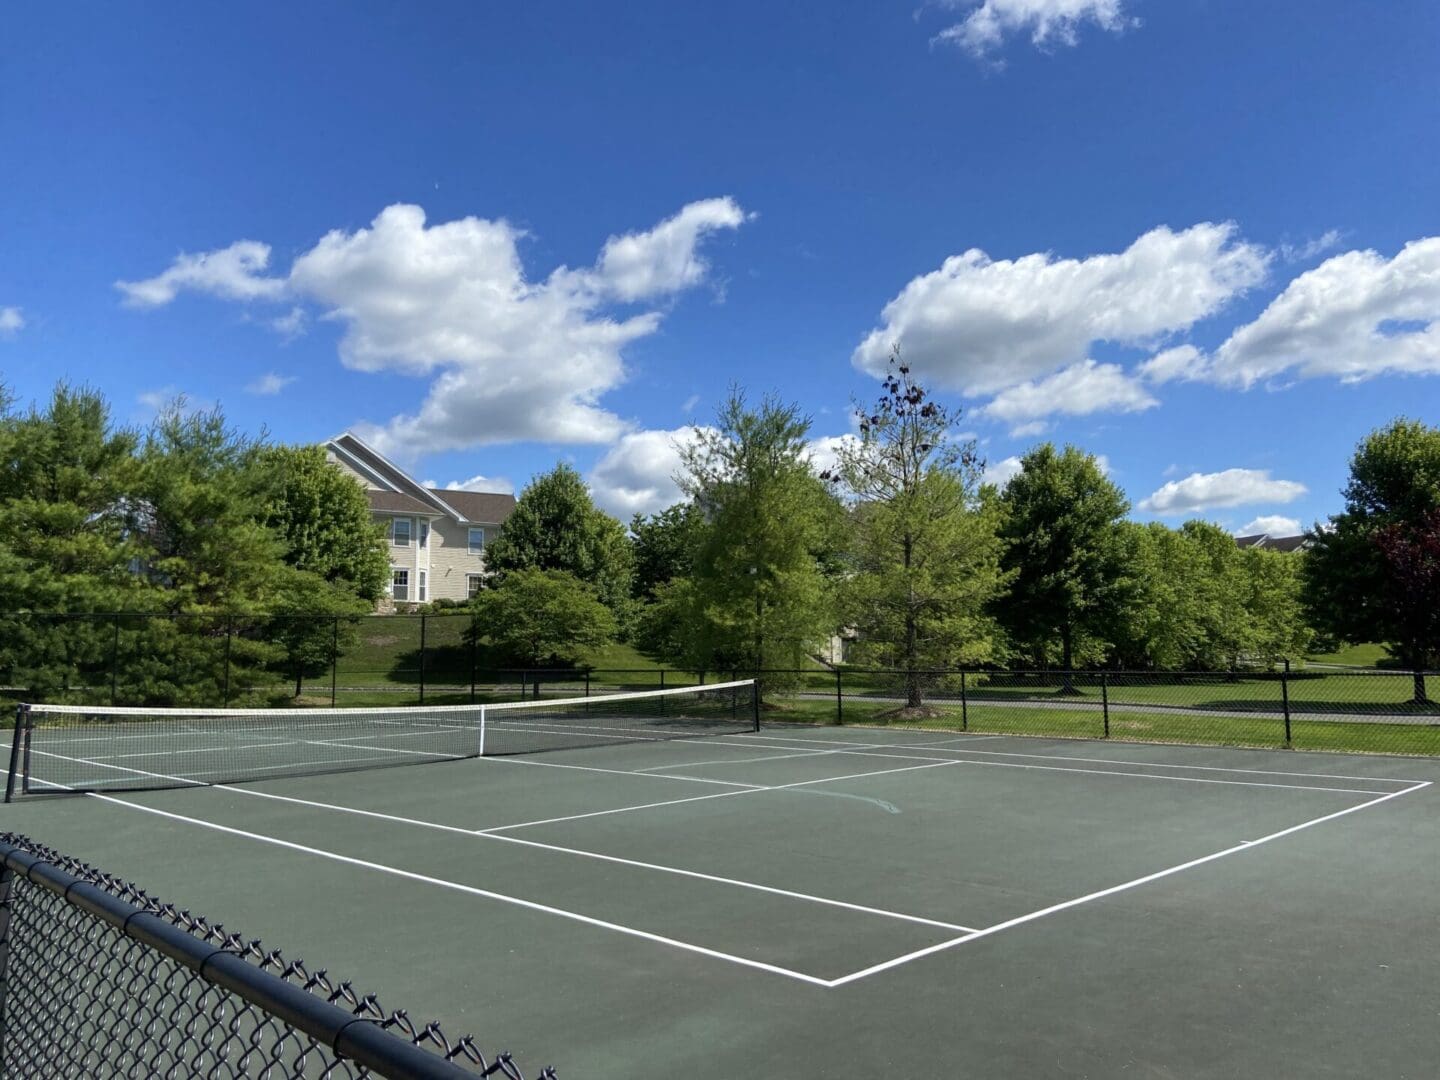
<point x="1273" y="543"/>
<point x="437" y="537"/>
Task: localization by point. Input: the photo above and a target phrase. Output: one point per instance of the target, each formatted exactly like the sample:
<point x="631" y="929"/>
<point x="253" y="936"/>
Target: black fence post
<point x="964" y="706"/>
<point x="662" y="687"/>
<point x="474" y="653"/>
<point x="1285" y="698"/>
<point x="14" y="762"/>
<point x="334" y="659"/>
<point x="115" y="659"/>
<point x="755" y="700"/>
<point x="587" y="682"/>
<point x="422" y="659"/>
<point x="839" y="699"/>
<point x="1105" y="701"/>
<point x="225" y="679"/>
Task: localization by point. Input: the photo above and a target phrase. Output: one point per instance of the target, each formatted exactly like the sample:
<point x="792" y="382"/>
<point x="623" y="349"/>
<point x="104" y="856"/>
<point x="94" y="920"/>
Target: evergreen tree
<point x="664" y="546"/>
<point x="1062" y="537"/>
<point x="924" y="543"/>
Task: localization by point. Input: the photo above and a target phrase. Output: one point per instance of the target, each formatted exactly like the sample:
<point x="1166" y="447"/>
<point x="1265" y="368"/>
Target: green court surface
<point x="839" y="902"/>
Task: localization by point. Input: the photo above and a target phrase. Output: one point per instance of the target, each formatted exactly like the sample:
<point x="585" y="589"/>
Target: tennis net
<point x="76" y="748"/>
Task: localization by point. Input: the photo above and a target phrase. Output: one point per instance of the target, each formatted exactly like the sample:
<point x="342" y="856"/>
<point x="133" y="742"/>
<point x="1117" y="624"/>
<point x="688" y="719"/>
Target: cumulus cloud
<point x="1184" y="362"/>
<point x="637" y="474"/>
<point x="232" y="273"/>
<point x="269" y="384"/>
<point x="1211" y="491"/>
<point x="1272" y="525"/>
<point x="510" y="358"/>
<point x="1000" y="472"/>
<point x="1079" y="390"/>
<point x="1355" y="316"/>
<point x="824" y="452"/>
<point x="981" y="326"/>
<point x="11" y="322"/>
<point x="1048" y="22"/>
<point x="497" y="485"/>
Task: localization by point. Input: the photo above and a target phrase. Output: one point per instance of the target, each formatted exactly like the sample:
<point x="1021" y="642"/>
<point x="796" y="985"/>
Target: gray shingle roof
<point x="482" y="506"/>
<point x="397" y="502"/>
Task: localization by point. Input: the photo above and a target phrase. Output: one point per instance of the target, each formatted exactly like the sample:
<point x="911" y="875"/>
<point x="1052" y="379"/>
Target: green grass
<point x="1088" y="723"/>
<point x="1369" y="655"/>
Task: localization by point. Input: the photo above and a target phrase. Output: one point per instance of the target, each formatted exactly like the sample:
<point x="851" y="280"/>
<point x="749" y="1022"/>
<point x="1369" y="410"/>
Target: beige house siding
<point x="451" y="560"/>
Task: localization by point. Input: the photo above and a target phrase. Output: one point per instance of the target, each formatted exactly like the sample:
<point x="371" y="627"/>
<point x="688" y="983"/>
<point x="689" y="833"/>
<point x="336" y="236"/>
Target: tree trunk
<point x="1421" y="697"/>
<point x="1067" y="684"/>
<point x="299" y="680"/>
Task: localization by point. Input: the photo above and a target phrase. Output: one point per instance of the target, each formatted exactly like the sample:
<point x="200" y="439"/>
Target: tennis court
<point x="806" y="901"/>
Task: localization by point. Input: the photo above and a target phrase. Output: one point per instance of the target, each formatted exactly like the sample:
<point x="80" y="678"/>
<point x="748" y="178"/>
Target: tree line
<point x="900" y="545"/>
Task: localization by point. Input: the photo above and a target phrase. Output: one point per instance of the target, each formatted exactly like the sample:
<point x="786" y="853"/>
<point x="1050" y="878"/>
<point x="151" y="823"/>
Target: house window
<point x="424" y="593"/>
<point x="400" y="584"/>
<point x="400" y="532"/>
<point x="424" y="534"/>
<point x="477" y="541"/>
<point x="473" y="584"/>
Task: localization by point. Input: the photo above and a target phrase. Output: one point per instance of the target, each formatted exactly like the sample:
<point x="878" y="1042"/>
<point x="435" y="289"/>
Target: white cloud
<point x="824" y="452"/>
<point x="1327" y="241"/>
<point x="510" y="358"/>
<point x="270" y="384"/>
<point x="981" y="326"/>
<point x="1079" y="390"/>
<point x="1273" y="524"/>
<point x="637" y="474"/>
<point x="638" y="266"/>
<point x="165" y="397"/>
<point x="232" y="273"/>
<point x="688" y="405"/>
<point x="498" y="485"/>
<point x="1182" y="362"/>
<point x="1048" y="22"/>
<point x="290" y="325"/>
<point x="1000" y="472"/>
<point x="1210" y="491"/>
<point x="1355" y="316"/>
<point x="11" y="322"/>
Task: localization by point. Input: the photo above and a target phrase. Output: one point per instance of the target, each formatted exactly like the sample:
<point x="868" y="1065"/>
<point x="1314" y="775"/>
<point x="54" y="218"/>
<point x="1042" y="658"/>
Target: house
<point x="1274" y="543"/>
<point x="437" y="537"/>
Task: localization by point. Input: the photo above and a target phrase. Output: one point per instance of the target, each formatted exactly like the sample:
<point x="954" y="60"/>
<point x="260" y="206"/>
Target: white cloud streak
<point x="1212" y="491"/>
<point x="498" y="485"/>
<point x="12" y="321"/>
<point x="1048" y="22"/>
<point x="232" y="273"/>
<point x="269" y="384"/>
<point x="1272" y="525"/>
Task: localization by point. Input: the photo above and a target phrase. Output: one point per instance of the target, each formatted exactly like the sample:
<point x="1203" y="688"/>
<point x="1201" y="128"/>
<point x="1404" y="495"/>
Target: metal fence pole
<point x="755" y="700"/>
<point x="334" y="659"/>
<point x="115" y="660"/>
<point x="422" y="659"/>
<point x="1105" y="701"/>
<point x="1285" y="698"/>
<point x="662" y="687"/>
<point x="587" y="682"/>
<point x="964" y="706"/>
<point x="14" y="771"/>
<point x="474" y="653"/>
<point x="839" y="699"/>
<point x="229" y="634"/>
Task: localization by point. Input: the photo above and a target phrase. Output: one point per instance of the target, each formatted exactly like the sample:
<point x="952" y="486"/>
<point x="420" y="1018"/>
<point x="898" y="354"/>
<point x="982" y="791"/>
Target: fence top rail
<point x="360" y="1034"/>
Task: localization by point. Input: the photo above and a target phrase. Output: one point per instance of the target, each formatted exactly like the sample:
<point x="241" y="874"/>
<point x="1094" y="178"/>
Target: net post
<point x="482" y="730"/>
<point x="29" y="727"/>
<point x="15" y="753"/>
<point x="755" y="702"/>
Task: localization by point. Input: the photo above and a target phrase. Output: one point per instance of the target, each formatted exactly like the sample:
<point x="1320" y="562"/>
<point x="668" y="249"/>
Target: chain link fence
<point x="98" y="978"/>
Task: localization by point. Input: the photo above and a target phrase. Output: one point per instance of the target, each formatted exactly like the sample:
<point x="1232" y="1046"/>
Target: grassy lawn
<point x="1368" y="655"/>
<point x="1088" y="723"/>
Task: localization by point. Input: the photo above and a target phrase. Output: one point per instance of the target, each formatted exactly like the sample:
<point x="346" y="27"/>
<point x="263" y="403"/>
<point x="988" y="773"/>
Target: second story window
<point x="400" y="532"/>
<point x="424" y="534"/>
<point x="477" y="541"/>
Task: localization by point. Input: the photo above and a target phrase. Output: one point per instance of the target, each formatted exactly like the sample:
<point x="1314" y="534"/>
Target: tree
<point x="1365" y="573"/>
<point x="664" y="546"/>
<point x="925" y="547"/>
<point x="313" y="622"/>
<point x="1275" y="604"/>
<point x="64" y="550"/>
<point x="556" y="526"/>
<point x="1062" y="537"/>
<point x="761" y="598"/>
<point x="323" y="522"/>
<point x="538" y="617"/>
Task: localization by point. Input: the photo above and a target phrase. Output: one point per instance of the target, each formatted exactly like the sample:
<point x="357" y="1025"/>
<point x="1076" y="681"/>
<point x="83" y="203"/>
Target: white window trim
<point x="396" y="571"/>
<point x="409" y="531"/>
<point x="422" y="587"/>
<point x="470" y="539"/>
<point x="478" y="580"/>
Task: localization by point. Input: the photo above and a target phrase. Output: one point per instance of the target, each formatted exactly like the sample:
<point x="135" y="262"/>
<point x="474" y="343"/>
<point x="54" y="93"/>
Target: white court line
<point x="1244" y="845"/>
<point x="742" y="761"/>
<point x="784" y="740"/>
<point x="491" y="835"/>
<point x="444" y="883"/>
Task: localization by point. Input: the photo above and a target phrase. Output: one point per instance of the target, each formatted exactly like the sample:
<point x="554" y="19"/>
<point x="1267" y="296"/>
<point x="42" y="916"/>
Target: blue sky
<point x="1198" y="237"/>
